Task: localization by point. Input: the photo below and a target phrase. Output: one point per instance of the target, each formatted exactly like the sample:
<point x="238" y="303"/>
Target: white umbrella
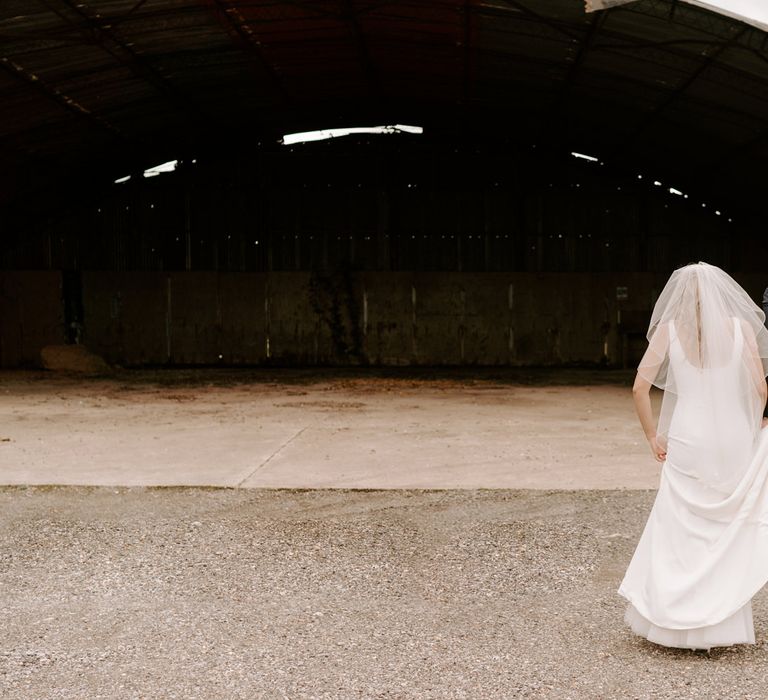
<point x="751" y="11"/>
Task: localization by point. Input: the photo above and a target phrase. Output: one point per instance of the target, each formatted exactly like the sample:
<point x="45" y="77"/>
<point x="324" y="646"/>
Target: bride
<point x="704" y="551"/>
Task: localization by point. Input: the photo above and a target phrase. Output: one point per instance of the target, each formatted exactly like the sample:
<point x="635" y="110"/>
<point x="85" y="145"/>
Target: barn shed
<point x="541" y="173"/>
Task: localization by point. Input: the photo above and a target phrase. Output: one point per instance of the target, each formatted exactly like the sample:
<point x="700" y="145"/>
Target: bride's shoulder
<point x="661" y="333"/>
<point x="746" y="328"/>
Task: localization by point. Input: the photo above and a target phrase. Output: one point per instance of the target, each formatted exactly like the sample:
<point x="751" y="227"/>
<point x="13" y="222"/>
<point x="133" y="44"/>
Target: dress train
<point x="736" y="629"/>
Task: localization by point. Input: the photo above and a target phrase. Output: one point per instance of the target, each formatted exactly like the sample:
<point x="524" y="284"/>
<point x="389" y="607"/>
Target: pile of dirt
<point x="72" y="358"/>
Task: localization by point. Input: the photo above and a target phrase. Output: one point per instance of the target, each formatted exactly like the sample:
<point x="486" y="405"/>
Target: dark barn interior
<point x="488" y="239"/>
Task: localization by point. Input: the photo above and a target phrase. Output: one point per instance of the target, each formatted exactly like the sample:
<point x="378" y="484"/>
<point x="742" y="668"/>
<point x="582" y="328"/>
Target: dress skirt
<point x="736" y="629"/>
<point x="701" y="559"/>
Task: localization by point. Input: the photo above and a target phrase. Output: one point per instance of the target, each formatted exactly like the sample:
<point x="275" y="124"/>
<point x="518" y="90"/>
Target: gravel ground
<point x="223" y="593"/>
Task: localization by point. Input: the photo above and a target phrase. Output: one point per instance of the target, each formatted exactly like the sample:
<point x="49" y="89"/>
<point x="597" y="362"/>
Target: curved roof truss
<point x="106" y="87"/>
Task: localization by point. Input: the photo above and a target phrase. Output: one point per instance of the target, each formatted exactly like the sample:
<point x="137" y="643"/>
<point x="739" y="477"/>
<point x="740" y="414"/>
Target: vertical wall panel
<point x="439" y="312"/>
<point x="389" y="328"/>
<point x="195" y="318"/>
<point x="298" y="334"/>
<point x="243" y="317"/>
<point x="31" y="315"/>
<point x="485" y="319"/>
<point x="125" y="316"/>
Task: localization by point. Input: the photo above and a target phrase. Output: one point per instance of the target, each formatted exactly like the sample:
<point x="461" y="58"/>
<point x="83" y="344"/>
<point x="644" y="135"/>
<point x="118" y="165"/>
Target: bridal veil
<point x="699" y="308"/>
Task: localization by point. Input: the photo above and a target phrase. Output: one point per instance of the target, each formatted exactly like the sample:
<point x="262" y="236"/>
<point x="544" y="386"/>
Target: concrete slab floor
<point x="325" y="429"/>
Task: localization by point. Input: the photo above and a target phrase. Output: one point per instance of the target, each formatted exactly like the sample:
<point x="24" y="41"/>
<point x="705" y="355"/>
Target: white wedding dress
<point x="704" y="551"/>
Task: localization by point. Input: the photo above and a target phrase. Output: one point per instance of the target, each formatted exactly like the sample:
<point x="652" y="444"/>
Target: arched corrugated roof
<point x="104" y="86"/>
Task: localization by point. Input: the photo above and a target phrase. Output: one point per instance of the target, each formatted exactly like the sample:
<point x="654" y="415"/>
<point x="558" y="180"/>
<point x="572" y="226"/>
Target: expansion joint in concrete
<point x="268" y="459"/>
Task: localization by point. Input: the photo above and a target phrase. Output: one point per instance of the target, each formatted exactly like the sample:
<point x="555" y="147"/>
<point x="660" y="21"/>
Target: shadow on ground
<point x="233" y="376"/>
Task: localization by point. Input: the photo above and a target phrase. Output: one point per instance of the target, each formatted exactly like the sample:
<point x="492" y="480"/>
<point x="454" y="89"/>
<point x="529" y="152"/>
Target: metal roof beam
<point x="669" y="48"/>
<point x="553" y="112"/>
<point x="581" y="55"/>
<point x="679" y="91"/>
<point x="686" y="15"/>
<point x="62" y="99"/>
<point x="240" y="30"/>
<point x="552" y="24"/>
<point x="98" y="30"/>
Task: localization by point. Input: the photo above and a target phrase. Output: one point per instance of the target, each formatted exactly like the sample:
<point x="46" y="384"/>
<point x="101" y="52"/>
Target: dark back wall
<point x="306" y="318"/>
<point x="385" y="251"/>
<point x="397" y="205"/>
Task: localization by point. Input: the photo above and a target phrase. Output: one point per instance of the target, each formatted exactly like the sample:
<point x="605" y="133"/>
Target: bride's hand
<point x="765" y="422"/>
<point x="659" y="453"/>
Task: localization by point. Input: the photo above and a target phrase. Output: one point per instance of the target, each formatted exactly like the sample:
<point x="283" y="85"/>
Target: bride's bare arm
<point x="647" y="372"/>
<point x="641" y="393"/>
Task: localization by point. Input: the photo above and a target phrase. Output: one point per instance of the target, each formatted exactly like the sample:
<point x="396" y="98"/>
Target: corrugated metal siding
<point x="366" y="208"/>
